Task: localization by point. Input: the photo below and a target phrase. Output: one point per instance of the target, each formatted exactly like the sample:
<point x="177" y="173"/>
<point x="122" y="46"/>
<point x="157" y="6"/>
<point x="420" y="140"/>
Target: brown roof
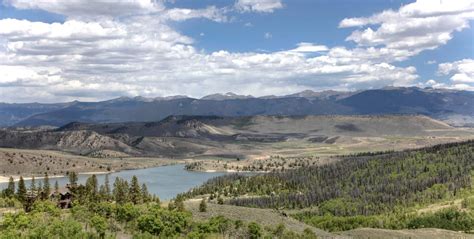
<point x="61" y="191"/>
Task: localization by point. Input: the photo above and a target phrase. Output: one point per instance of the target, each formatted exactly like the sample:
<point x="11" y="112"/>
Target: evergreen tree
<point x="179" y="204"/>
<point x="46" y="187"/>
<point x="21" y="194"/>
<point x="33" y="185"/>
<point x="203" y="205"/>
<point x="171" y="206"/>
<point x="10" y="188"/>
<point x="107" y="186"/>
<point x="40" y="187"/>
<point x="56" y="187"/>
<point x="102" y="194"/>
<point x="135" y="191"/>
<point x="120" y="191"/>
<point x="146" y="197"/>
<point x="92" y="187"/>
<point x="72" y="178"/>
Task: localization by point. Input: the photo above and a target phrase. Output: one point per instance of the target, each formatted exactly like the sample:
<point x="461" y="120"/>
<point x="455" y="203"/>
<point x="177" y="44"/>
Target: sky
<point x="64" y="50"/>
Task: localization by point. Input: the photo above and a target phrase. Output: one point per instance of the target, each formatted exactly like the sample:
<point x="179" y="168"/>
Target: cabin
<point x="63" y="196"/>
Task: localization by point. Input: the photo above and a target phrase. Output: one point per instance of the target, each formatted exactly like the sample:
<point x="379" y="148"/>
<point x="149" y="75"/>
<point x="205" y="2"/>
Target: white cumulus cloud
<point x="415" y="27"/>
<point x="266" y="6"/>
<point x="461" y="71"/>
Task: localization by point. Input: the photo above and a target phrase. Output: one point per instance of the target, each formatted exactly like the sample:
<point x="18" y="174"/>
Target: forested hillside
<point x="358" y="185"/>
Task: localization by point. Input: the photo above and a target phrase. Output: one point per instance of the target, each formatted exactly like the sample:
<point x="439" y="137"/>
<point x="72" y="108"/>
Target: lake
<point x="165" y="181"/>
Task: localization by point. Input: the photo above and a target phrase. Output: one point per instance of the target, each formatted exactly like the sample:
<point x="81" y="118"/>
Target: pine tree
<point x="40" y="188"/>
<point x="10" y="188"/>
<point x="135" y="191"/>
<point x="33" y="185"/>
<point x="21" y="194"/>
<point x="203" y="205"/>
<point x="56" y="187"/>
<point x="92" y="188"/>
<point x="120" y="191"/>
<point x="107" y="186"/>
<point x="146" y="197"/>
<point x="72" y="178"/>
<point x="46" y="187"/>
<point x="102" y="194"/>
<point x="179" y="204"/>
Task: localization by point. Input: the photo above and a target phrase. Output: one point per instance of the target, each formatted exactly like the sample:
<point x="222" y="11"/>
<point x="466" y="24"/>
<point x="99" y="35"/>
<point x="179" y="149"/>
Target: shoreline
<point x="16" y="178"/>
<point x="226" y="171"/>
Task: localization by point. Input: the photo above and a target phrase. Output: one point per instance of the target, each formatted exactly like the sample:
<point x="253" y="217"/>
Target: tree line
<point x="122" y="191"/>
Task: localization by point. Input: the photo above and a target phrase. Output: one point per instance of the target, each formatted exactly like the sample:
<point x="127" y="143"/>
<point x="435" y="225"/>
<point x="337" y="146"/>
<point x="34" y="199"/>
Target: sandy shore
<point x="100" y="172"/>
<point x="16" y="178"/>
<point x="228" y="171"/>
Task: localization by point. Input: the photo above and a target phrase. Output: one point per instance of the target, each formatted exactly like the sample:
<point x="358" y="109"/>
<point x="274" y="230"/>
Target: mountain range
<point x="451" y="106"/>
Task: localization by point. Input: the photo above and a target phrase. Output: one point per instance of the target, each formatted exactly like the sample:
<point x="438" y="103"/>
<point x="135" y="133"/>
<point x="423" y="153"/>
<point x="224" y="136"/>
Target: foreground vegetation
<point x="101" y="211"/>
<point x="368" y="190"/>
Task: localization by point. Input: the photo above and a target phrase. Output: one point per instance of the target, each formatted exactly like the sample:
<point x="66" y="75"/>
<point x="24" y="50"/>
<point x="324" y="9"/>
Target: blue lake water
<point x="165" y="181"/>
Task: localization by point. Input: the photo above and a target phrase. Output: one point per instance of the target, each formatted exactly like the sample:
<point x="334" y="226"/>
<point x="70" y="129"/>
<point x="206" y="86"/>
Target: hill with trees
<point x="361" y="190"/>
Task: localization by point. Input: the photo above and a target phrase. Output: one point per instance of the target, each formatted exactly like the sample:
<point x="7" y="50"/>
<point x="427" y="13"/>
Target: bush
<point x="100" y="225"/>
<point x="126" y="212"/>
<point x="162" y="222"/>
<point x="254" y="230"/>
<point x="47" y="207"/>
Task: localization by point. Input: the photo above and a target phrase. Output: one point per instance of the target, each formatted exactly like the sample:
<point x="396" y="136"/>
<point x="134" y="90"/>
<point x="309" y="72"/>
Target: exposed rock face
<point x="80" y="142"/>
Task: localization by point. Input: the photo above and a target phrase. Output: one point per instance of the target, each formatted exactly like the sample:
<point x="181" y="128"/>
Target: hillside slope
<point x="188" y="136"/>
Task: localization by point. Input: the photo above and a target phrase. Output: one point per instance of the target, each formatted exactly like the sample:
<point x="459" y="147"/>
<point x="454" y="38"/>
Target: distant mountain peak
<point x="172" y="97"/>
<point x="119" y="99"/>
<point x="324" y="95"/>
<point x="226" y="96"/>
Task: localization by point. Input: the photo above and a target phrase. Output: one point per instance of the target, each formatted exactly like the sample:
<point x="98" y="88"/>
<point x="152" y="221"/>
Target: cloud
<point x="181" y="14"/>
<point x="415" y="27"/>
<point x="265" y="6"/>
<point x="461" y="71"/>
<point x="90" y="9"/>
<point x="267" y="35"/>
<point x="145" y="56"/>
<point x="92" y="57"/>
<point x="305" y="47"/>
